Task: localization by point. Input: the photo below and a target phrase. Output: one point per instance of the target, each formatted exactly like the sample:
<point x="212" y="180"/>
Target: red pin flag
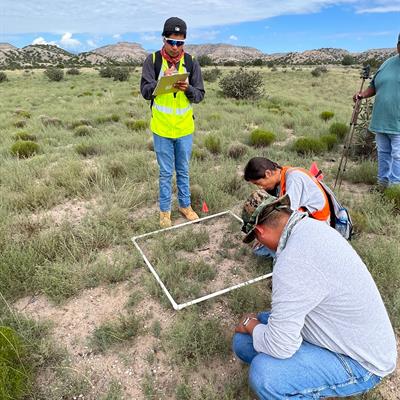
<point x="315" y="171"/>
<point x="204" y="208"/>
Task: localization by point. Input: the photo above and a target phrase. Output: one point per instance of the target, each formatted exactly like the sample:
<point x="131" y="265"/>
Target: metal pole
<point x="349" y="137"/>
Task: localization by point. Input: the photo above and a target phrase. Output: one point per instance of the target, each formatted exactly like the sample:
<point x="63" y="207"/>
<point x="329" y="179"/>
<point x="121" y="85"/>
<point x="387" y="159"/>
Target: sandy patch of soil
<point x="72" y="211"/>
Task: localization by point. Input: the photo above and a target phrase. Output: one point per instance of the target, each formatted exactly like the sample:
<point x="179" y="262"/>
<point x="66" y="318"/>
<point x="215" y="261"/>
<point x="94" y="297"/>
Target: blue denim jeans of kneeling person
<point x="388" y="146"/>
<point x="173" y="154"/>
<point x="311" y="373"/>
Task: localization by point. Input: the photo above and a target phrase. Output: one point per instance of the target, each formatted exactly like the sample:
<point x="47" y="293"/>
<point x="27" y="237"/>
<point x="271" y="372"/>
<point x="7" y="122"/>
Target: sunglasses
<point x="173" y="42"/>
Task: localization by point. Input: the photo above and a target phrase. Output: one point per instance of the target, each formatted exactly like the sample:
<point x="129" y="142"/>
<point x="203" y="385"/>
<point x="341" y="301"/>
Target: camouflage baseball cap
<point x="256" y="209"/>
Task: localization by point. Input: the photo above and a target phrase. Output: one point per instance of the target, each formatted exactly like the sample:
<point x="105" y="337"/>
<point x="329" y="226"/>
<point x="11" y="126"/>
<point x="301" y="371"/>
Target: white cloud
<point x="91" y="43"/>
<point x="67" y="41"/>
<point x="41" y="40"/>
<point x="233" y="37"/>
<point x="379" y="6"/>
<point x="93" y="16"/>
<point x="116" y="36"/>
<point x="205" y="36"/>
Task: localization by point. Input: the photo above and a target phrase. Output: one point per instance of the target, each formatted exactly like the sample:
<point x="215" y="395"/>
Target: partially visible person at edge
<point x="172" y="121"/>
<point x="385" y="120"/>
<point x="328" y="332"/>
<point x="302" y="187"/>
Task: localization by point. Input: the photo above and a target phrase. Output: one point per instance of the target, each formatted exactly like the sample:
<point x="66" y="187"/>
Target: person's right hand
<point x="357" y="96"/>
<point x="171" y="70"/>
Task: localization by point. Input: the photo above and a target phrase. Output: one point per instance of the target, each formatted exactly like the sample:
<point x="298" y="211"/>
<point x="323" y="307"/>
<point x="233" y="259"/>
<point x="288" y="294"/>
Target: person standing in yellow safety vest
<point x="172" y="121"/>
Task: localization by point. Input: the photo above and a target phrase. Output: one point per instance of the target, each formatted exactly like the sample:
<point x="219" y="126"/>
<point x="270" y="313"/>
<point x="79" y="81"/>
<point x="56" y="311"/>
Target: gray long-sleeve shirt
<point x="195" y="92"/>
<point x="323" y="293"/>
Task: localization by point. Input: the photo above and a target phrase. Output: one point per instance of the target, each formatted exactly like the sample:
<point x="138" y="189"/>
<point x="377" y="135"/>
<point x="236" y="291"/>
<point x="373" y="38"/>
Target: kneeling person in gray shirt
<point x="328" y="332"/>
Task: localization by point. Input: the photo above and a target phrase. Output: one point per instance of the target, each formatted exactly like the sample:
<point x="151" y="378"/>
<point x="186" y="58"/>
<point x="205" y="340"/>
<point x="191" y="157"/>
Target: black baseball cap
<point x="174" y="25"/>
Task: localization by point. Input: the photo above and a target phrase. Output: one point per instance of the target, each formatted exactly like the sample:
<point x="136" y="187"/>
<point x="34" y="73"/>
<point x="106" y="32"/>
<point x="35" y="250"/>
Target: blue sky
<point x="271" y="26"/>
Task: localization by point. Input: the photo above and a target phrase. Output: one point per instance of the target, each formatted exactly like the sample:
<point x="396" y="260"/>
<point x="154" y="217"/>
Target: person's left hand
<point x="240" y="328"/>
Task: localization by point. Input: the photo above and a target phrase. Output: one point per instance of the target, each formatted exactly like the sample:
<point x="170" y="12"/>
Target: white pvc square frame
<point x="202" y="298"/>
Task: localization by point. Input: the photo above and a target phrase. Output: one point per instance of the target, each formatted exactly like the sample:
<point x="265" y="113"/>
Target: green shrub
<point x="3" y="77"/>
<point x="392" y="193"/>
<point x="261" y="138"/>
<point x="73" y="71"/>
<point x="329" y="140"/>
<point x="120" y="74"/>
<point x="212" y="143"/>
<point x="109" y="334"/>
<point x="116" y="169"/>
<point x="50" y="121"/>
<point x="150" y="145"/>
<point x="316" y="72"/>
<point x="106" y="72"/>
<point x="199" y="153"/>
<point x="20" y="124"/>
<point x="23" y="113"/>
<point x="107" y="118"/>
<point x="87" y="150"/>
<point x="23" y="135"/>
<point x="80" y="122"/>
<point x="193" y="339"/>
<point x="197" y="196"/>
<point x="339" y="129"/>
<point x="14" y="378"/>
<point x="237" y="150"/>
<point x="308" y="145"/>
<point x="211" y="75"/>
<point x="364" y="172"/>
<point x="54" y="74"/>
<point x="24" y="148"/>
<point x="83" y="130"/>
<point x="242" y="84"/>
<point x="326" y="115"/>
<point x="136" y="125"/>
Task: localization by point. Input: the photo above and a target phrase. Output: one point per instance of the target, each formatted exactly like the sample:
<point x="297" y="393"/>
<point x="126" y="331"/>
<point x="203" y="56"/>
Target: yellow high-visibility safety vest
<point x="172" y="116"/>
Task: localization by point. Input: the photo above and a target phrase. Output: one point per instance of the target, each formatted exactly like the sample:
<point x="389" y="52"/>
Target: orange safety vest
<point x="321" y="215"/>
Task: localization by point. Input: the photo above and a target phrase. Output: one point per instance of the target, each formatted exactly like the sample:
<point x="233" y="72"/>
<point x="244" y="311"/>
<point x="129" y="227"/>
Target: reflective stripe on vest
<point x="172" y="115"/>
<point x="321" y="215"/>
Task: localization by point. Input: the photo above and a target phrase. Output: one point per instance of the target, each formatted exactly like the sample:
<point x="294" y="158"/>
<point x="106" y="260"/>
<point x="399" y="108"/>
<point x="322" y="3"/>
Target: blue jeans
<point x="311" y="373"/>
<point x="173" y="154"/>
<point x="388" y="158"/>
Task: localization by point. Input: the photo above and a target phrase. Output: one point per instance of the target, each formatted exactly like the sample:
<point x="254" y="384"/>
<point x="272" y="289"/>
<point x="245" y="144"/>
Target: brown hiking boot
<point x="188" y="213"/>
<point x="165" y="219"/>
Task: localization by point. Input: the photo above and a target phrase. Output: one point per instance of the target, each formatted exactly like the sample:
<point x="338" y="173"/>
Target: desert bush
<point x="24" y="148"/>
<point x="83" y="130"/>
<point x="111" y="333"/>
<point x="308" y="145"/>
<point x="3" y="77"/>
<point x="242" y="84"/>
<point x="364" y="172"/>
<point x="80" y="122"/>
<point x="199" y="153"/>
<point x="329" y="140"/>
<point x="211" y="75"/>
<point x="316" y="72"/>
<point x="150" y="145"/>
<point x="136" y="125"/>
<point x="261" y="138"/>
<point x="339" y="129"/>
<point x="212" y="143"/>
<point x="23" y="135"/>
<point x="237" y="150"/>
<point x="87" y="150"/>
<point x="204" y="60"/>
<point x="120" y="74"/>
<point x="107" y="118"/>
<point x="197" y="196"/>
<point x="116" y="169"/>
<point x="326" y="115"/>
<point x="50" y="121"/>
<point x="20" y="123"/>
<point x="348" y="60"/>
<point x="73" y="71"/>
<point x="14" y="377"/>
<point x="54" y="74"/>
<point x="193" y="339"/>
<point x="392" y="193"/>
<point x="23" y="113"/>
<point x="106" y="72"/>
